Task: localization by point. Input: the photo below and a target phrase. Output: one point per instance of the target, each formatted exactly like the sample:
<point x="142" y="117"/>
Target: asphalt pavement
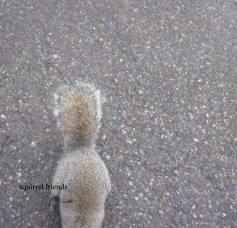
<point x="168" y="70"/>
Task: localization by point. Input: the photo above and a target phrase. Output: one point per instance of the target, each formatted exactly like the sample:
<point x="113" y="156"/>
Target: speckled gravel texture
<point x="169" y="137"/>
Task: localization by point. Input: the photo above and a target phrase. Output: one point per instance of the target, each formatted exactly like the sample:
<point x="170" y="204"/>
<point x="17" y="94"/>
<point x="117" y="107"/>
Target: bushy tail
<point x="78" y="112"/>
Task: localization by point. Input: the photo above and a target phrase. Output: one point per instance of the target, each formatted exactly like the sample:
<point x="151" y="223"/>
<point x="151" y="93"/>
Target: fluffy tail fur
<point x="78" y="113"/>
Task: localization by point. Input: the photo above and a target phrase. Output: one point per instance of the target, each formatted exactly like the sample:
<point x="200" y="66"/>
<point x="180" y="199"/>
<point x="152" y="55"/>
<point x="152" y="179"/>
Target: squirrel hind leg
<point x="72" y="218"/>
<point x="54" y="203"/>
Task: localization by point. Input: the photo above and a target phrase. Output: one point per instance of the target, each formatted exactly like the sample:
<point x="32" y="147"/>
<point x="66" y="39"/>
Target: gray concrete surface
<point x="169" y="138"/>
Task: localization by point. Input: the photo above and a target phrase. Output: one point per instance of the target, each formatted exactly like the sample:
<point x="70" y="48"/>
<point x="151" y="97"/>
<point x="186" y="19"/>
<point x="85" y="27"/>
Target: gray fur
<point x="80" y="167"/>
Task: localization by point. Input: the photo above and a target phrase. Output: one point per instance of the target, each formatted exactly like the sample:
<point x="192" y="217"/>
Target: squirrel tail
<point x="78" y="112"/>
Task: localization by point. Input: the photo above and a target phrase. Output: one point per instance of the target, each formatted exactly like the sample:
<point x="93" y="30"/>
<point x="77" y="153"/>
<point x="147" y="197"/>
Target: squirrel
<point x="78" y="113"/>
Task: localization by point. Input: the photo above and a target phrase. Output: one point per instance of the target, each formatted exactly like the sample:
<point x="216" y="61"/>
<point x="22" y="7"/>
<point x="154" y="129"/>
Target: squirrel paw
<point x="54" y="203"/>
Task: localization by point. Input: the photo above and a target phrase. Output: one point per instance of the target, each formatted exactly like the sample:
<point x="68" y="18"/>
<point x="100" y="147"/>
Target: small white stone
<point x="176" y="172"/>
<point x="55" y="56"/>
<point x="195" y="140"/>
<point x="140" y="91"/>
<point x="129" y="141"/>
<point x="18" y="174"/>
<point x="161" y="212"/>
<point x="33" y="144"/>
<point x="3" y="116"/>
<point x="124" y="132"/>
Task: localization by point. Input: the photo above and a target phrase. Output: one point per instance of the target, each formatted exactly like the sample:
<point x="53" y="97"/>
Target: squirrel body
<point x="78" y="113"/>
